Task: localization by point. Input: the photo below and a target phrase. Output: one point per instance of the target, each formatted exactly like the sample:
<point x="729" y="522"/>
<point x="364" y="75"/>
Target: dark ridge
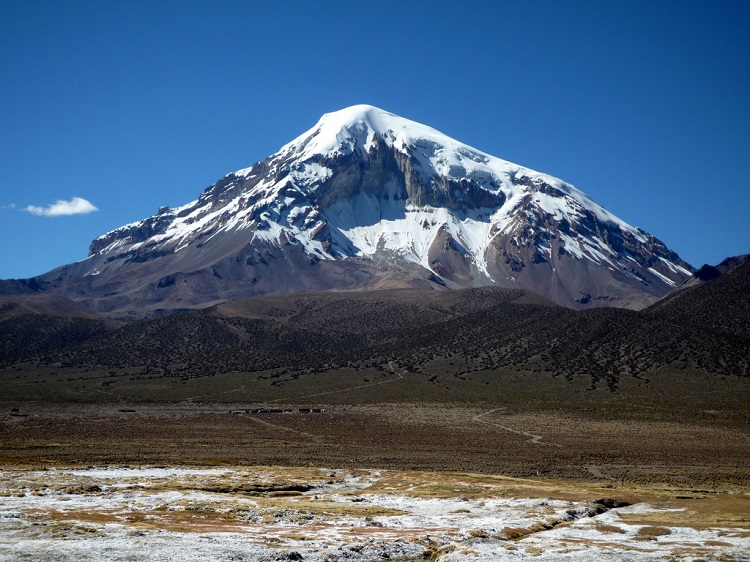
<point x="20" y="286"/>
<point x="707" y="273"/>
<point x="719" y="306"/>
<point x="465" y="333"/>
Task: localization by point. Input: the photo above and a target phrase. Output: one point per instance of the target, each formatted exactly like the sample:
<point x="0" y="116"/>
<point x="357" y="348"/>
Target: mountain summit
<point x="368" y="199"/>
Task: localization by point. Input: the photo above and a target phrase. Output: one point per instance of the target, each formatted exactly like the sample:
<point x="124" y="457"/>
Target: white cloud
<point x="76" y="206"/>
<point x="11" y="206"/>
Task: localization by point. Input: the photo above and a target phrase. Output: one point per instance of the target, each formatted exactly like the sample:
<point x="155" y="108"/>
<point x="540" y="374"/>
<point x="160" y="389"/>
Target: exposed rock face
<point x="367" y="199"/>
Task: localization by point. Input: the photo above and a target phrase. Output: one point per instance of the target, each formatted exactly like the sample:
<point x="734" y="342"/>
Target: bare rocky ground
<point x="320" y="514"/>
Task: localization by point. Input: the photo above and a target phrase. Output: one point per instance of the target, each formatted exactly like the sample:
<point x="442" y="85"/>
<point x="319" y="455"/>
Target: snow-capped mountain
<point x="367" y="199"/>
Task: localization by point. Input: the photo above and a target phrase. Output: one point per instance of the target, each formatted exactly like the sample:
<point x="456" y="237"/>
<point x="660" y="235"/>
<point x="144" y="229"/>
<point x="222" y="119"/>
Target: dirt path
<point x="390" y="366"/>
<point x="312" y="436"/>
<point x="532" y="438"/>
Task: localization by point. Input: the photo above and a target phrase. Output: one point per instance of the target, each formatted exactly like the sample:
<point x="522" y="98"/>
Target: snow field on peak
<point x="445" y="156"/>
<point x="365" y="225"/>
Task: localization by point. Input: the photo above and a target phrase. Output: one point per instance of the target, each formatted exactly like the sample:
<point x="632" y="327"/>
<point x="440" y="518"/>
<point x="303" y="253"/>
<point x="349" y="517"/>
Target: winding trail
<point x="532" y="438"/>
<point x="312" y="436"/>
<point x="390" y="366"/>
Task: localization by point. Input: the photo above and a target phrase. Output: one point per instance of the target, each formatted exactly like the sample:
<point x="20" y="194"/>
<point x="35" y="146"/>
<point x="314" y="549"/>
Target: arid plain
<point x="478" y="425"/>
<point x="352" y="464"/>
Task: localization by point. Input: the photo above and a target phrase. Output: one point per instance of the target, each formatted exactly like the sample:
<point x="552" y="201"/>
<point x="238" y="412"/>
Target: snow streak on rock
<point x="366" y="184"/>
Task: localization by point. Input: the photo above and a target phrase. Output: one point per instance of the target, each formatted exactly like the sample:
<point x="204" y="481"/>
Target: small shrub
<point x="650" y="533"/>
<point x="513" y="533"/>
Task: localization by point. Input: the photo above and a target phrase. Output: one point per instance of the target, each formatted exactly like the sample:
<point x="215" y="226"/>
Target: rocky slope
<point x="367" y="199"/>
<point x="484" y="331"/>
<point x="716" y="299"/>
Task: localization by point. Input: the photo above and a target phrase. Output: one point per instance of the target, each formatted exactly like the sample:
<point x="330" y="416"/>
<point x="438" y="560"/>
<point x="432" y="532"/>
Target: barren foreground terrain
<point x="275" y="513"/>
<point x="400" y="481"/>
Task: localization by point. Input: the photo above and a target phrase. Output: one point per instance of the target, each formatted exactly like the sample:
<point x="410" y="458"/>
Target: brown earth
<point x="694" y="457"/>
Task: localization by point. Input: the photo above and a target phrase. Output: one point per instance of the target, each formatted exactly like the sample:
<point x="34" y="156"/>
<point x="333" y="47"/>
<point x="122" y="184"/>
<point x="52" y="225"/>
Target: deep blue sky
<point x="132" y="105"/>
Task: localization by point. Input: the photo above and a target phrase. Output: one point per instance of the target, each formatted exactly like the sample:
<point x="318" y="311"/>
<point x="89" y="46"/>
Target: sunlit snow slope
<point x="368" y="199"/>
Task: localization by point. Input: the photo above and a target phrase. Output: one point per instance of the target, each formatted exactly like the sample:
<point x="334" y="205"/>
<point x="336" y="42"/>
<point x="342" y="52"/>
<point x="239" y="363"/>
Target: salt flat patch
<point x="139" y="473"/>
<point x="268" y="513"/>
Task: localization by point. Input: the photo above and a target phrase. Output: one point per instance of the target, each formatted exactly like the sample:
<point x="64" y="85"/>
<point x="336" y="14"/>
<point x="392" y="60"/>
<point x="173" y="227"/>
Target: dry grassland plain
<point x="395" y="438"/>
